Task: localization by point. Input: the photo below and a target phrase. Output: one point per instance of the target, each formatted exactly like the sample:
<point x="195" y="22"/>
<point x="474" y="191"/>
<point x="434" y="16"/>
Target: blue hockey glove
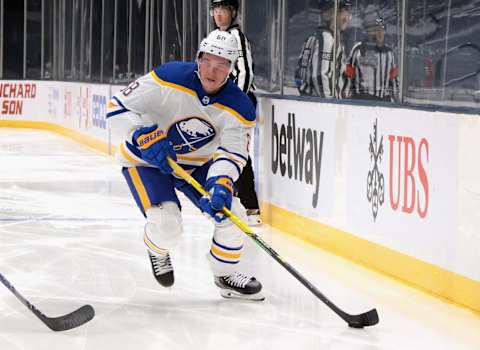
<point x="154" y="147"/>
<point x="221" y="190"/>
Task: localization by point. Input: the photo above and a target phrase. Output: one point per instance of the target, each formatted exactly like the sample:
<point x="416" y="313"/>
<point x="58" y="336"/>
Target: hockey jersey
<point x="201" y="127"/>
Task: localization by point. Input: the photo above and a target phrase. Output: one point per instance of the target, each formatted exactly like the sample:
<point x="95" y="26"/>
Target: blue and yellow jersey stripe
<point x="115" y="107"/>
<point x="172" y="85"/>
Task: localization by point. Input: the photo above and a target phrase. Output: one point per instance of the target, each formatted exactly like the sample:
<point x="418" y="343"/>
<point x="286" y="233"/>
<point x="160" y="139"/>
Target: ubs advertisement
<point x="298" y="157"/>
<point x="403" y="180"/>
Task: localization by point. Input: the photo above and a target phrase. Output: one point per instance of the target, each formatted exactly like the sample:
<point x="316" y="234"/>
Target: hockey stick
<point x="61" y="323"/>
<point x="365" y="319"/>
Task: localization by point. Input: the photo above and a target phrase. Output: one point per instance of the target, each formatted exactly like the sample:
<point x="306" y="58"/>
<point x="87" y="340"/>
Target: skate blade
<point x="254" y="220"/>
<point x="230" y="294"/>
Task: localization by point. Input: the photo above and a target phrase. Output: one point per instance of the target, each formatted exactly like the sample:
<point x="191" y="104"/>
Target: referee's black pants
<point x="246" y="187"/>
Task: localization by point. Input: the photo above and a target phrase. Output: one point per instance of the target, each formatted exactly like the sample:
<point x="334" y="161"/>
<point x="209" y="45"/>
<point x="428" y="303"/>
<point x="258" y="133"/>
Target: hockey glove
<point x="221" y="192"/>
<point x="154" y="147"/>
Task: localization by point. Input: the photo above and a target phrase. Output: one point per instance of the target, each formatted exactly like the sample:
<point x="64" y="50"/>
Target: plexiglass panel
<point x="155" y="56"/>
<point x="96" y="44"/>
<point x="85" y="40"/>
<point x="121" y="74"/>
<point x="173" y="31"/>
<point x="372" y="42"/>
<point x="192" y="30"/>
<point x="66" y="38"/>
<point x="348" y="49"/>
<point x="317" y="47"/>
<point x="264" y="36"/>
<point x="443" y="52"/>
<point x="13" y="40"/>
<point x="137" y="45"/>
<point x="34" y="38"/>
<point x="106" y="64"/>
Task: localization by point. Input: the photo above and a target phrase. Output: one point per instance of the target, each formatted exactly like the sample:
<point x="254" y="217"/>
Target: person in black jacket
<point x="224" y="13"/>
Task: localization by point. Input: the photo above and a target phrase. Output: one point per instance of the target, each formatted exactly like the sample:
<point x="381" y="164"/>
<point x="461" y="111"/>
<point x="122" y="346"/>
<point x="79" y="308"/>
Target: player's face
<point x="213" y="72"/>
<point x="223" y="16"/>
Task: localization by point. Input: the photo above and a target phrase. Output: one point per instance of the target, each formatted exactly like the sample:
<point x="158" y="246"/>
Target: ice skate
<point x="253" y="216"/>
<point x="162" y="268"/>
<point x="239" y="286"/>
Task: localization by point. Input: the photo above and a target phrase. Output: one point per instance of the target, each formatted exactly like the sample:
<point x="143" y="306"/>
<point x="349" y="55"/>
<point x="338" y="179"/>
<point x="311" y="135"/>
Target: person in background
<point x="193" y="113"/>
<point x="225" y="14"/>
<point x="371" y="72"/>
<point x="317" y="72"/>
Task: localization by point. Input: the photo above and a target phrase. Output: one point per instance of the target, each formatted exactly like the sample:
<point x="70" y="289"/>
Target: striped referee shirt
<point x="242" y="74"/>
<point x="372" y="72"/>
<point x="321" y="67"/>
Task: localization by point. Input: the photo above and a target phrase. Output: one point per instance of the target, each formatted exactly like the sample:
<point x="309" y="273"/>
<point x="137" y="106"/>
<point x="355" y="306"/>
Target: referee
<point x="224" y="14"/>
<point x="371" y="71"/>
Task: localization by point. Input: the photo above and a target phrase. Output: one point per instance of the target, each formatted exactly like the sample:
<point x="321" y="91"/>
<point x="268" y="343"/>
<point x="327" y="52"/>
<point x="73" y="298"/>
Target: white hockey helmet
<point x="220" y="43"/>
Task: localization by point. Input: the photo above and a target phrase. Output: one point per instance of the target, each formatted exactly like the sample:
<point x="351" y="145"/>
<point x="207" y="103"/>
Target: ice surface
<point x="70" y="234"/>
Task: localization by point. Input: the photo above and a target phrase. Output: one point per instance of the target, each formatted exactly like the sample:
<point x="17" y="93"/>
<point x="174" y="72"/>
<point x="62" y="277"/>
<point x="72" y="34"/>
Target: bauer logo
<point x="375" y="179"/>
<point x="190" y="134"/>
<point x="297" y="153"/>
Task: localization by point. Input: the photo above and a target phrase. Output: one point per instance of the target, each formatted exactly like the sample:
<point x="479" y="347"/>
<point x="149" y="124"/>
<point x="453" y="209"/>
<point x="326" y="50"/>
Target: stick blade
<point x="71" y="320"/>
<point x="369" y="318"/>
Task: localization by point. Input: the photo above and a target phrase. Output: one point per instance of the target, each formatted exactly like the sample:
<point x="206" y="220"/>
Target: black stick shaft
<point x="20" y="297"/>
<point x="61" y="323"/>
<point x="368" y="318"/>
<point x="297" y="275"/>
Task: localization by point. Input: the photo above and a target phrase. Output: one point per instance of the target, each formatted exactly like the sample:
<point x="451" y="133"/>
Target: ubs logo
<point x="375" y="179"/>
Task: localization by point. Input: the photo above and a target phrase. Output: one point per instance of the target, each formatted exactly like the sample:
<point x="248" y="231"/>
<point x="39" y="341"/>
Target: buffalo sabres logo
<point x="190" y="134"/>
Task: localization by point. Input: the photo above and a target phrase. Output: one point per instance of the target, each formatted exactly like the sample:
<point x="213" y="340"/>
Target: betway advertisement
<point x="402" y="180"/>
<point x="298" y="157"/>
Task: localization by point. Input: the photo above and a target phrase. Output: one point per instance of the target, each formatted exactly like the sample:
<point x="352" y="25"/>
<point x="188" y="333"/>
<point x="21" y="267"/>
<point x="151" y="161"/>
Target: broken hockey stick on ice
<point x="368" y="318"/>
<point x="61" y="323"/>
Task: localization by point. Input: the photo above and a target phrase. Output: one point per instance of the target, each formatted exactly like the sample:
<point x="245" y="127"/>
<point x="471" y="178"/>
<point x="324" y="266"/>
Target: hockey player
<point x="372" y="73"/>
<point x="194" y="114"/>
<point x="317" y="72"/>
<point x="224" y="13"/>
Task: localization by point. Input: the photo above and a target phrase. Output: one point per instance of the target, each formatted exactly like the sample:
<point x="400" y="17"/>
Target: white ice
<point x="70" y="234"/>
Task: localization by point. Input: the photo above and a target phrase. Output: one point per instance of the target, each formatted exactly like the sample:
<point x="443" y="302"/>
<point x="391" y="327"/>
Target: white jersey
<point x="242" y="74"/>
<point x="201" y="127"/>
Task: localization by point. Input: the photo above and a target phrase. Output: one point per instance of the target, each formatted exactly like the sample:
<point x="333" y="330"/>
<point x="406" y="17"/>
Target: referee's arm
<point x="244" y="66"/>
